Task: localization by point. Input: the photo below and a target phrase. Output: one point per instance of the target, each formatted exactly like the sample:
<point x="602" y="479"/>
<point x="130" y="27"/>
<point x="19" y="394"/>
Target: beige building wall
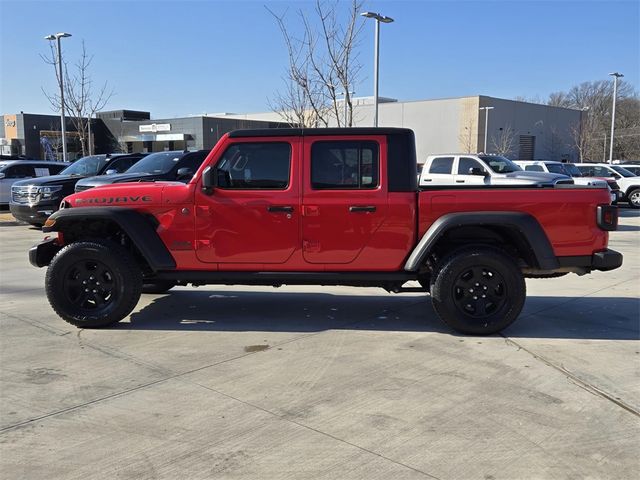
<point x="456" y="125"/>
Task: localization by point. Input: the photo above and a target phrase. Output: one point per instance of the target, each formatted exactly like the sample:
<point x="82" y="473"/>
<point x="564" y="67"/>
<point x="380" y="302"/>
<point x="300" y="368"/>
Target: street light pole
<point x="615" y="76"/>
<point x="486" y="125"/>
<point x="378" y="18"/>
<point x="57" y="37"/>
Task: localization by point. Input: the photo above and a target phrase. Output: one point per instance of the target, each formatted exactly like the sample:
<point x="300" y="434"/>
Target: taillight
<point x="607" y="217"/>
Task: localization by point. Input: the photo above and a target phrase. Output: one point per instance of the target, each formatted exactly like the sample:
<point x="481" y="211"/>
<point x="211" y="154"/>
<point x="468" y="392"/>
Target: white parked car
<point x="632" y="167"/>
<point x="13" y="170"/>
<point x="629" y="183"/>
<point x="564" y="169"/>
<point x="460" y="169"/>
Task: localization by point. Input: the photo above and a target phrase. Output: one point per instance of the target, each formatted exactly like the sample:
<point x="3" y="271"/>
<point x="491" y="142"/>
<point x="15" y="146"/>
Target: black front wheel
<point x="478" y="291"/>
<point x="93" y="283"/>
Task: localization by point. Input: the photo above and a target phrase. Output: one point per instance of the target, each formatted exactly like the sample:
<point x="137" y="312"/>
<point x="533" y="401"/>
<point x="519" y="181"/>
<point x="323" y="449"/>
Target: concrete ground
<point x="321" y="383"/>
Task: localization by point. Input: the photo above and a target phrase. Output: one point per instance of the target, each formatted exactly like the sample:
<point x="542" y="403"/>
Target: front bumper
<point x="35" y="214"/>
<point x="41" y="254"/>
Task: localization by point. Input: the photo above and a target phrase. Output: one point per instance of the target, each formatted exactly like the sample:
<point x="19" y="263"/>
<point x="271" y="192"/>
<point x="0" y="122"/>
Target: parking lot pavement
<point x="317" y="382"/>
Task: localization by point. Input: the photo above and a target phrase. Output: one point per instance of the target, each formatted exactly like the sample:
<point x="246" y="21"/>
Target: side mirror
<point x="207" y="180"/>
<point x="183" y="173"/>
<point x="477" y="171"/>
<point x="111" y="171"/>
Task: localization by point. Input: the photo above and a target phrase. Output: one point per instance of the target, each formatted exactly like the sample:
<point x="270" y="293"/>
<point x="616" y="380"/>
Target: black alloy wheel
<point x="93" y="283"/>
<point x="478" y="290"/>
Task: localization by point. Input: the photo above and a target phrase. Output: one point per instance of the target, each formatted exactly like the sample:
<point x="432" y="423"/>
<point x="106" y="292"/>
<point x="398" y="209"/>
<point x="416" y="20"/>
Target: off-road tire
<point x="478" y="290"/>
<point x="634" y="198"/>
<point x="93" y="284"/>
<point x="158" y="286"/>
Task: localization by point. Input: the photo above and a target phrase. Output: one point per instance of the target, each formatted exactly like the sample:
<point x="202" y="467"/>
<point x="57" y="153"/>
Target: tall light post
<point x="486" y="125"/>
<point x="615" y="76"/>
<point x="57" y="37"/>
<point x="378" y="18"/>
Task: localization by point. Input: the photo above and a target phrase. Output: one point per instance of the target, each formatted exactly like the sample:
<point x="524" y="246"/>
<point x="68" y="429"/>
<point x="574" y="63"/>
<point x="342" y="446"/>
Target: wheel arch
<point x="98" y="222"/>
<point x="519" y="231"/>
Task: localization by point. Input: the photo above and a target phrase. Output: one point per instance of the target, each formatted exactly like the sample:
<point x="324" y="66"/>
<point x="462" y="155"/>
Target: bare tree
<point x="465" y="139"/>
<point x="595" y="99"/>
<point x="323" y="65"/>
<point x="505" y="142"/>
<point x="80" y="100"/>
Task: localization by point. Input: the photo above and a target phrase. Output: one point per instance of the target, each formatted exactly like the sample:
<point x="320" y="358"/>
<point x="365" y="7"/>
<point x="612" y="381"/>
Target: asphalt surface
<point x="321" y="383"/>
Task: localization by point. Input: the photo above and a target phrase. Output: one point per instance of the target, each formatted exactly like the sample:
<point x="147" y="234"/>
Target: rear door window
<point x="441" y="165"/>
<point x="344" y="165"/>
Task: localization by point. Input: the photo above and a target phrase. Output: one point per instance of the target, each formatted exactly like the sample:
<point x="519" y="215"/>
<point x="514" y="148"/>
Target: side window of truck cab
<point x="255" y="166"/>
<point x="344" y="165"/>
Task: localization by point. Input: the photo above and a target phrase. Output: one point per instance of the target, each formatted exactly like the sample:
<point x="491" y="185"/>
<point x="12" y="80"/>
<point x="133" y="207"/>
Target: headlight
<point x="48" y="192"/>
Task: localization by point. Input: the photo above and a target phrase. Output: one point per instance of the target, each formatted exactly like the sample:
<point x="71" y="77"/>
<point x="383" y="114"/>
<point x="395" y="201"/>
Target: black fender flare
<point x="523" y="223"/>
<point x="134" y="224"/>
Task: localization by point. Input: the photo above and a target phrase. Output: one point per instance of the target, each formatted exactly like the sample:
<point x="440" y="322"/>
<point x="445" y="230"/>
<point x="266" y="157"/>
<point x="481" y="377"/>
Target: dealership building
<point x="521" y="130"/>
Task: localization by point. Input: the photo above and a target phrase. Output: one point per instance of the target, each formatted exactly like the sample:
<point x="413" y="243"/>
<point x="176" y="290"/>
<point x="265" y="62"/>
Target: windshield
<point x="573" y="170"/>
<point x="161" y="162"/>
<point x="623" y="171"/>
<point x="500" y="164"/>
<point x="86" y="166"/>
<point x="557" y="168"/>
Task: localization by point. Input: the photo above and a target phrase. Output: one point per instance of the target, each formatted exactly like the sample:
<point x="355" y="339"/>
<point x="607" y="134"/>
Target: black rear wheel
<point x="93" y="283"/>
<point x="478" y="291"/>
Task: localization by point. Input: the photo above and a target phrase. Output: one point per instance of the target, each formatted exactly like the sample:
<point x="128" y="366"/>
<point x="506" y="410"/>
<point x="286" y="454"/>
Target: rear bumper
<point x="40" y="254"/>
<point x="604" y="261"/>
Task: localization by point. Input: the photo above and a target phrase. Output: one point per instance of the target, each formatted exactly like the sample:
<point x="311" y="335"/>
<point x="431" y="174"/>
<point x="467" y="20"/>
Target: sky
<point x="179" y="58"/>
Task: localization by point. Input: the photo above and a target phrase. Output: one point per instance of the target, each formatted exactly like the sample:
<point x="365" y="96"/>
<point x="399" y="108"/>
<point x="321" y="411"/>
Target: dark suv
<point x="173" y="165"/>
<point x="33" y="200"/>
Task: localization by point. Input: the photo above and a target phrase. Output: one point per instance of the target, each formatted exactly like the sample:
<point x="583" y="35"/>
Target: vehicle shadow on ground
<point x="628" y="212"/>
<point x="543" y="317"/>
<point x="628" y="228"/>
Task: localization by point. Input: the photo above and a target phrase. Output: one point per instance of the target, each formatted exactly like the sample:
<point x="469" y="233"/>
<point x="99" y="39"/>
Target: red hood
<point x="119" y="194"/>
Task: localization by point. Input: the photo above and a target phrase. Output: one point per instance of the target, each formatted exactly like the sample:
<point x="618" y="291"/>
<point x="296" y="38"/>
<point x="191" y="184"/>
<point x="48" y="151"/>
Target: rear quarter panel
<point x="567" y="215"/>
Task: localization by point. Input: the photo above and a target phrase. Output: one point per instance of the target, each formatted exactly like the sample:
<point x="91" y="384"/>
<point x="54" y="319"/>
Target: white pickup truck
<point x="459" y="169"/>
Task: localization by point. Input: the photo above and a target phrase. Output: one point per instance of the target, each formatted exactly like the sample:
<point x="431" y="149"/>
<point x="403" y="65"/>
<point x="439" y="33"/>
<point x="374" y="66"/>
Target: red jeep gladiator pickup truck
<point x="321" y="207"/>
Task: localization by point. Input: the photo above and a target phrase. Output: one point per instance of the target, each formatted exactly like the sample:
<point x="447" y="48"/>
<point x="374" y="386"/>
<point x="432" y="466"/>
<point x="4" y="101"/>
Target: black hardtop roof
<point x="302" y="132"/>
